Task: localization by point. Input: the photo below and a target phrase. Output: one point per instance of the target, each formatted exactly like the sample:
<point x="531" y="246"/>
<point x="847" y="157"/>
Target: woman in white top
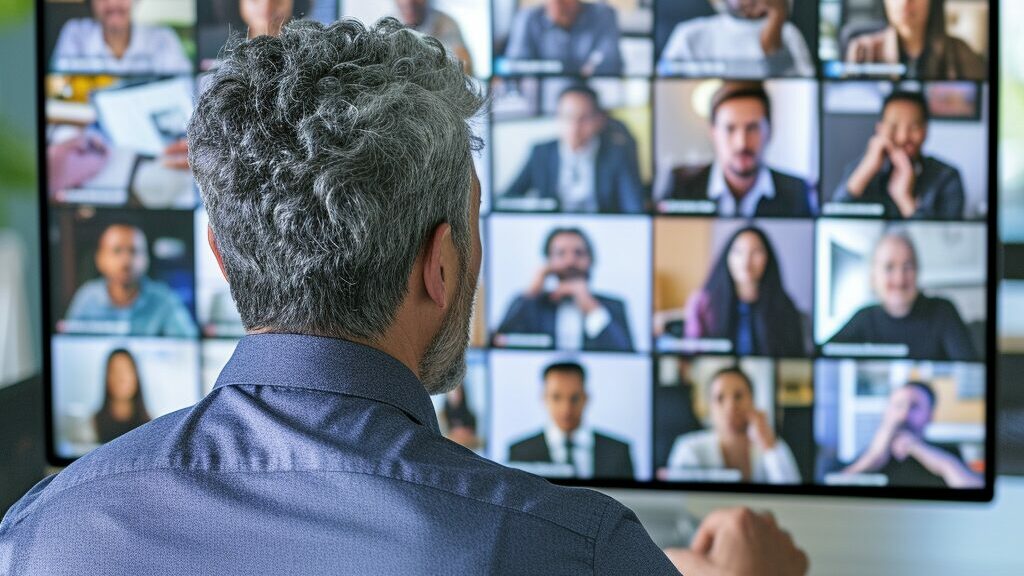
<point x="110" y="43"/>
<point x="740" y="438"/>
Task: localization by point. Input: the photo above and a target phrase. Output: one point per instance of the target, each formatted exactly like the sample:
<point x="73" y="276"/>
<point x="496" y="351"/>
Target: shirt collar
<point x="763" y="186"/>
<point x="588" y="152"/>
<point x="582" y="437"/>
<point x="329" y="365"/>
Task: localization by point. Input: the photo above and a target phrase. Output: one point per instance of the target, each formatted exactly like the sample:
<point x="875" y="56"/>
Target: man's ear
<point x="438" y="265"/>
<point x="216" y="251"/>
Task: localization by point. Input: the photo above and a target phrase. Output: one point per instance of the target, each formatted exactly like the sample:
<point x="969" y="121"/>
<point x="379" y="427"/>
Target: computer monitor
<point x="730" y="245"/>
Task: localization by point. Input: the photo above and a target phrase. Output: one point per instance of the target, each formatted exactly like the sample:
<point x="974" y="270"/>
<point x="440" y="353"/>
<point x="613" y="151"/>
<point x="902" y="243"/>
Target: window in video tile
<point x="900" y="423"/>
<point x="915" y="290"/>
<point x="580" y="416"/>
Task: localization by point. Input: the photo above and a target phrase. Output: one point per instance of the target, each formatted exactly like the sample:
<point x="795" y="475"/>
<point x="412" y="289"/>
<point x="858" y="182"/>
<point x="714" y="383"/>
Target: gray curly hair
<point x="325" y="158"/>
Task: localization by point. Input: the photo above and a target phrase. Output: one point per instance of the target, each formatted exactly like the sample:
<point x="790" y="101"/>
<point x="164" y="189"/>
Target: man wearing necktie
<point x="582" y="451"/>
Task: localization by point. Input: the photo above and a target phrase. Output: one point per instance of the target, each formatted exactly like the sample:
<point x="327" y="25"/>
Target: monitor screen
<point x="729" y="245"/>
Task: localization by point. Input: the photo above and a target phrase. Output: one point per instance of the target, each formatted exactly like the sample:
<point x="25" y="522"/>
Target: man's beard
<point x="443" y="367"/>
<point x="572" y="273"/>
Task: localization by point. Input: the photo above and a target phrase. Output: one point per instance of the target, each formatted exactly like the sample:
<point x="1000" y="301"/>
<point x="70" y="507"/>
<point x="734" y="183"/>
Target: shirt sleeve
<point x="683" y="454"/>
<point x="803" y="64"/>
<point x="518" y="39"/>
<point x="950" y="201"/>
<point x="608" y="47"/>
<point x="956" y="338"/>
<point x="780" y="465"/>
<point x="596" y="322"/>
<point x="10" y="542"/>
<point x="67" y="45"/>
<point x="623" y="546"/>
<point x="79" y="302"/>
<point x="172" y="56"/>
<point x="678" y="45"/>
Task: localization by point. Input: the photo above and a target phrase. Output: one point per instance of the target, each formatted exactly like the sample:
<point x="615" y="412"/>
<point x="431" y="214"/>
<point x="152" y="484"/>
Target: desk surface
<point x="847" y="536"/>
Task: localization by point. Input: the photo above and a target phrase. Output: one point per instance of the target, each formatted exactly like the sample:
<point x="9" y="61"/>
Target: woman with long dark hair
<point x="916" y="37"/>
<point x="743" y="301"/>
<point x="123" y="408"/>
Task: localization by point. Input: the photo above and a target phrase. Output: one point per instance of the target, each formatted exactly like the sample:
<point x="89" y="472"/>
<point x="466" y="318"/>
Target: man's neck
<point x="118" y="41"/>
<point x="739" y="185"/>
<point x="567" y="24"/>
<point x="123" y="295"/>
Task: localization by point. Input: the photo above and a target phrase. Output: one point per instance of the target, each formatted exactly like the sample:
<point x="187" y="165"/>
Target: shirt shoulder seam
<point x="182" y="470"/>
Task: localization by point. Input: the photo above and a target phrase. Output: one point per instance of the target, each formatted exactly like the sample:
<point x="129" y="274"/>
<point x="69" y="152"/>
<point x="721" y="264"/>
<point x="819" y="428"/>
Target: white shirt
<point x="576" y="174"/>
<point x="151" y="50"/>
<point x="571" y="325"/>
<point x="701" y="450"/>
<point x="724" y="38"/>
<point x="582" y="448"/>
<point x="718" y="190"/>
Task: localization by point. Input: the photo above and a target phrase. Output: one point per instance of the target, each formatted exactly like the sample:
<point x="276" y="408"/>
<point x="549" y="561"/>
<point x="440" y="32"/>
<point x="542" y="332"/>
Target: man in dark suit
<point x="591" y="167"/>
<point x="565" y="440"/>
<point x="569" y="317"/>
<point x="738" y="182"/>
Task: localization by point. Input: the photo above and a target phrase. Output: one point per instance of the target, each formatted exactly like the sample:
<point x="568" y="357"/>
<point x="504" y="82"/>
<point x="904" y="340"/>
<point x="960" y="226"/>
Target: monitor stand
<point x="664" y="514"/>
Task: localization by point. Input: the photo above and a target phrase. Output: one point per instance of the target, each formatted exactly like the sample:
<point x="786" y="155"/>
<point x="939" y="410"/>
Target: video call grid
<point x="648" y="213"/>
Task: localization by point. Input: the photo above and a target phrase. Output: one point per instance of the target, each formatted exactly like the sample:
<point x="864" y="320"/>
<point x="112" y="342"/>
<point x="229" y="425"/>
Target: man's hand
<point x="874" y="157"/>
<point x="776" y="12"/>
<point x="759" y="431"/>
<point x="536" y="287"/>
<point x="74" y="161"/>
<point x="579" y="291"/>
<point x="902" y="181"/>
<point x="739" y="542"/>
<point x="904" y="444"/>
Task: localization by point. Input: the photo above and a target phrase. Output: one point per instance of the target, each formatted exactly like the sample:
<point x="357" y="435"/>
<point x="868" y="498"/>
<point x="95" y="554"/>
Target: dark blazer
<point x="616" y="182"/>
<point x="611" y="457"/>
<point x="939" y="190"/>
<point x="538" y="315"/>
<point x="792" y="195"/>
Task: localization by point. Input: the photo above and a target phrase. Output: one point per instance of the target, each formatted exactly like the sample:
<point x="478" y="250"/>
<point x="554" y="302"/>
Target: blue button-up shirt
<point x="593" y="39"/>
<point x="157" y="311"/>
<point x="312" y="456"/>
